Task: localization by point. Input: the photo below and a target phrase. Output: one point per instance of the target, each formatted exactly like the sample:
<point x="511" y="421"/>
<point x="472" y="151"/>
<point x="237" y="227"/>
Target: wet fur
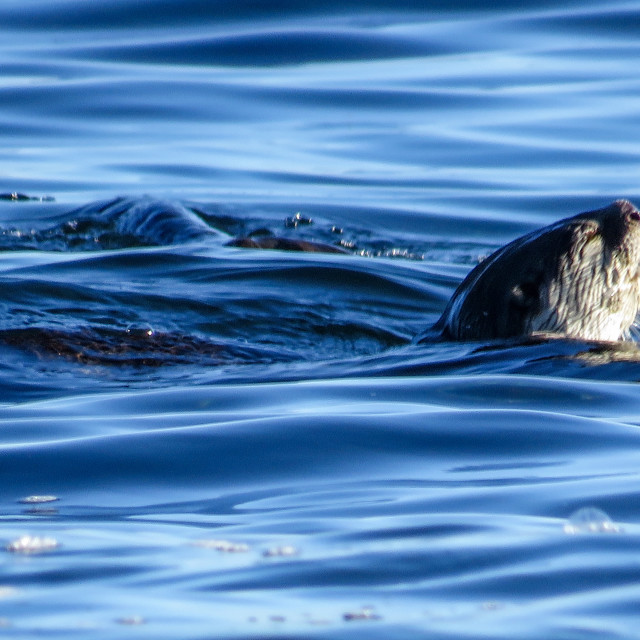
<point x="578" y="277"/>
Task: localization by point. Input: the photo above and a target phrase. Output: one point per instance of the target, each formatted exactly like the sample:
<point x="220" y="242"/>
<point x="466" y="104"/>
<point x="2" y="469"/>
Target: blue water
<point x="205" y="441"/>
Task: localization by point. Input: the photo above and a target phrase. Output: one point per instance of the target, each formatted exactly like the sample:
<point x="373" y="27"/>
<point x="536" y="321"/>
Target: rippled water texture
<point x="204" y="440"/>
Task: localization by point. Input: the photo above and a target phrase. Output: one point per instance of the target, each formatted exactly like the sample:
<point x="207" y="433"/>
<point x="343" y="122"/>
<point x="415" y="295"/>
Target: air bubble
<point x="365" y="613"/>
<point x="285" y="551"/>
<point x="32" y="544"/>
<point x="222" y="545"/>
<point x="590" y="520"/>
<point x="140" y="331"/>
<point x="38" y="499"/>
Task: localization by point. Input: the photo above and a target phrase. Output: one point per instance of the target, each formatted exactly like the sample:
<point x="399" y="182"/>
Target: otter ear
<point x="524" y="295"/>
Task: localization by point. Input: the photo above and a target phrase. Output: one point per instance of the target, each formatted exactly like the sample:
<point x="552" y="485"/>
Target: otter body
<point x="579" y="277"/>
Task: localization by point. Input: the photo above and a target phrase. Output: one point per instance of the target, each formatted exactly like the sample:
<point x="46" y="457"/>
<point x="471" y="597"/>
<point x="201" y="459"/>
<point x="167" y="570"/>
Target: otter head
<point x="579" y="277"/>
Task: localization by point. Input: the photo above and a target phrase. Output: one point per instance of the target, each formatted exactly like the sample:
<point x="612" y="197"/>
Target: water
<point x="205" y="441"/>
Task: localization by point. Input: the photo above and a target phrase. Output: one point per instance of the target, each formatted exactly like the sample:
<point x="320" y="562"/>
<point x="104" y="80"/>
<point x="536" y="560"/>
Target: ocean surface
<point x="200" y="440"/>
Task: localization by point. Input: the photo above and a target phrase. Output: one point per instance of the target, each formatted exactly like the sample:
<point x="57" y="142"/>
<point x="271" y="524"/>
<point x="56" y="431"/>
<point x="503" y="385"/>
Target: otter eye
<point x="634" y="215"/>
<point x="524" y="295"/>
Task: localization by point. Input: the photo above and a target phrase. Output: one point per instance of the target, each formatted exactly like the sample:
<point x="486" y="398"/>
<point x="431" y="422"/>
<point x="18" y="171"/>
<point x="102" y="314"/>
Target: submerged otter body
<point x="579" y="277"/>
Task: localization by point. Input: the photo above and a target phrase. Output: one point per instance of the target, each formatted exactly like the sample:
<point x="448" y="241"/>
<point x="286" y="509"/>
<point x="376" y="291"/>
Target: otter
<point x="579" y="277"/>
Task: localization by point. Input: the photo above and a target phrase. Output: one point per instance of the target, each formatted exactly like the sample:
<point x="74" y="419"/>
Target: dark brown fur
<point x="578" y="277"/>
